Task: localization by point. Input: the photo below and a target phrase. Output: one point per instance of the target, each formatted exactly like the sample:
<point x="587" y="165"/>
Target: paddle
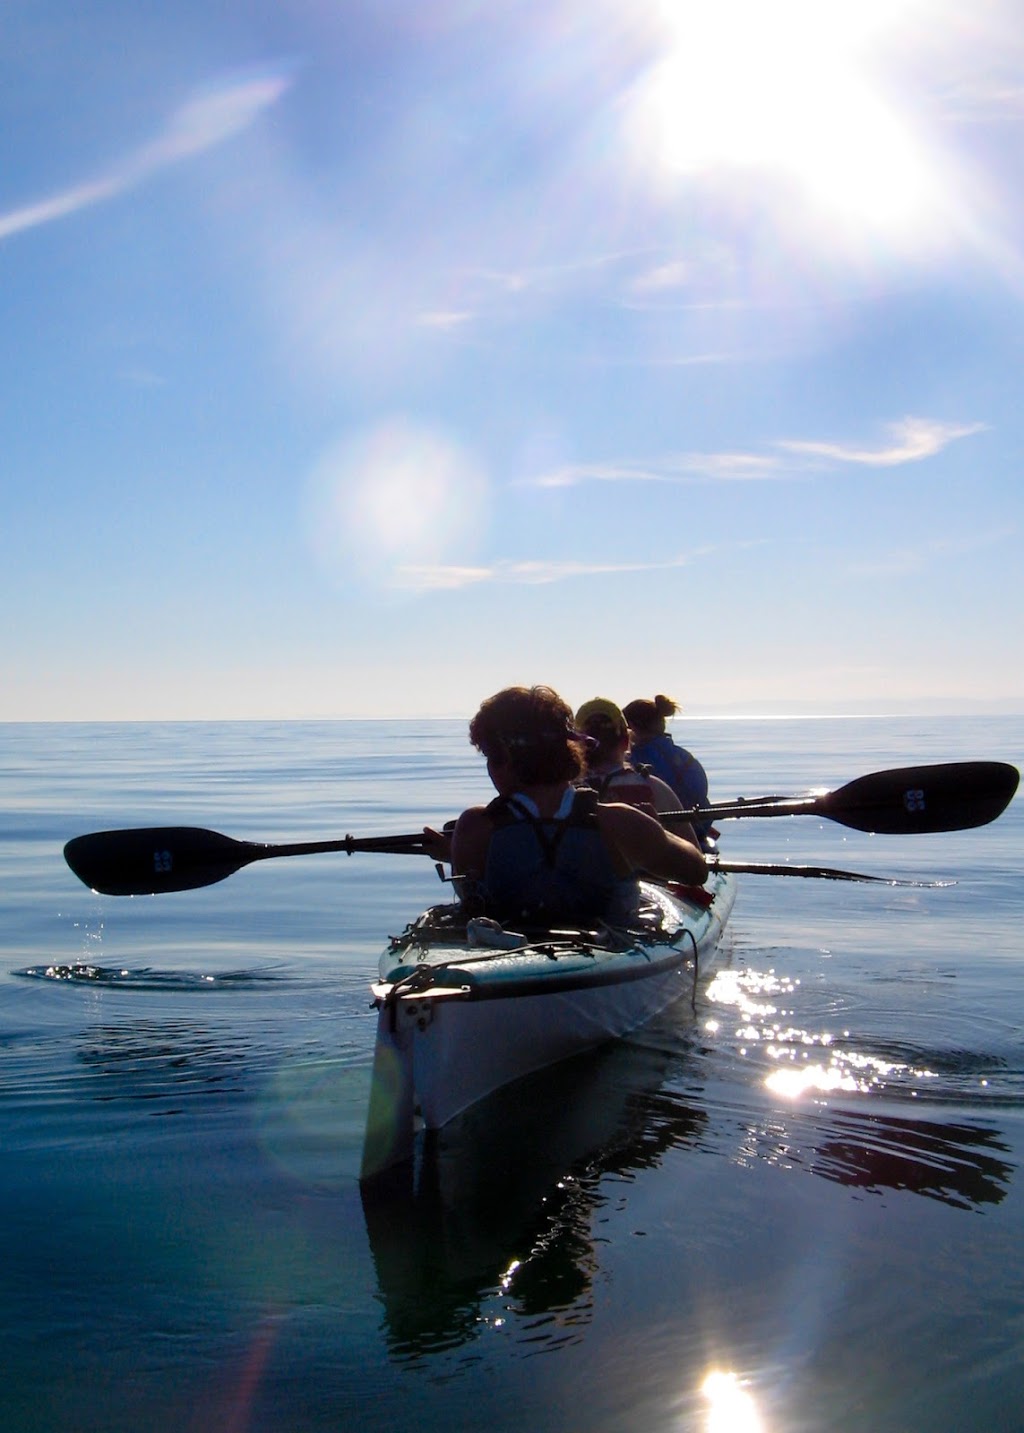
<point x="820" y="873"/>
<point x="909" y="800"/>
<point x="952" y="797"/>
<point x="151" y="860"/>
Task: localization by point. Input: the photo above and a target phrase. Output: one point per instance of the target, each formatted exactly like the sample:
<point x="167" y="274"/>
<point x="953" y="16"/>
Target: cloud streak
<point x="907" y="562"/>
<point x="910" y="441"/>
<point x="677" y="468"/>
<point x="535" y="573"/>
<point x="206" y="120"/>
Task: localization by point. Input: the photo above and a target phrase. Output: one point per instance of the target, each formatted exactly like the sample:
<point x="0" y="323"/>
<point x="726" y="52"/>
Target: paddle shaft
<point x="910" y="800"/>
<point x="818" y="873"/>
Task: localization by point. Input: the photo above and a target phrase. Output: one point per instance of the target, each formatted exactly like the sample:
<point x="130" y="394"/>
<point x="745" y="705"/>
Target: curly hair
<point x="530" y="728"/>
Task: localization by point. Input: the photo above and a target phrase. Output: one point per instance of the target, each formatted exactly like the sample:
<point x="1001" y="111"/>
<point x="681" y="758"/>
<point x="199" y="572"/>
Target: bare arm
<point x="665" y="799"/>
<point x="470" y="840"/>
<point x="643" y="844"/>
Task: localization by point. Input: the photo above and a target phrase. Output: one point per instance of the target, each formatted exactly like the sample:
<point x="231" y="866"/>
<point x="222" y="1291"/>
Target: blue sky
<point x="360" y="359"/>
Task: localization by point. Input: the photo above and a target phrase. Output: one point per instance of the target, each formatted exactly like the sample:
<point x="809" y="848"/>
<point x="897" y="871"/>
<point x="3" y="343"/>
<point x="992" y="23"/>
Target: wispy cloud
<point x="910" y="440"/>
<point x="672" y="275"/>
<point x="491" y="295"/>
<point x="536" y="573"/>
<point x="559" y="275"/>
<point x="444" y="318"/>
<point x="675" y="468"/>
<point x="906" y="561"/>
<point x="206" y="120"/>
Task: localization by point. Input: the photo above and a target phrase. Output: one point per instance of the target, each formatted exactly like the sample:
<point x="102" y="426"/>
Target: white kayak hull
<point x="457" y="1021"/>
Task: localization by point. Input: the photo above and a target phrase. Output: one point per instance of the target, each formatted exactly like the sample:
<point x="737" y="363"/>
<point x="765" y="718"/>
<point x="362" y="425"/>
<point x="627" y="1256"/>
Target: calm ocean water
<point x="798" y="1207"/>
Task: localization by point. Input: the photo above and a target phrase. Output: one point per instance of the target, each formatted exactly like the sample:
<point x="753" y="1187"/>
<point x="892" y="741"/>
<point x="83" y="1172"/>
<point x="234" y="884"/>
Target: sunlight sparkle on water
<point x="749" y="991"/>
<point x="797" y="1052"/>
<point x="731" y="1408"/>
<point x="847" y="1071"/>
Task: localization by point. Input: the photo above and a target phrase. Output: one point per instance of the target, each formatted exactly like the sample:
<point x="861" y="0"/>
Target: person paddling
<point x="653" y="746"/>
<point x="615" y="777"/>
<point x="544" y="852"/>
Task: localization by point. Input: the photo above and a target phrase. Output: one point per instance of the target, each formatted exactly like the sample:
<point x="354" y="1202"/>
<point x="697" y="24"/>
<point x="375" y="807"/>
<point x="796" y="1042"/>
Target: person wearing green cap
<point x="545" y="851"/>
<point x="609" y="771"/>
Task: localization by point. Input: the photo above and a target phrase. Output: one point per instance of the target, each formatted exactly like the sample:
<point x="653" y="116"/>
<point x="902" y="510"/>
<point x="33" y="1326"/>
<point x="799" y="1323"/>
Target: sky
<point x="360" y="359"/>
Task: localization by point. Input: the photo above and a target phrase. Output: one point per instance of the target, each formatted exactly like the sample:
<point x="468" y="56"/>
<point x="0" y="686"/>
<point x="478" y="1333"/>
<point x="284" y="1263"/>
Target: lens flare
<point x="390" y="500"/>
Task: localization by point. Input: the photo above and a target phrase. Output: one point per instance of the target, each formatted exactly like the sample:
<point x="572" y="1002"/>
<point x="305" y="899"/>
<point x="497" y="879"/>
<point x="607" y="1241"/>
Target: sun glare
<point x="788" y="90"/>
<point x="395" y="496"/>
<point x="731" y="1409"/>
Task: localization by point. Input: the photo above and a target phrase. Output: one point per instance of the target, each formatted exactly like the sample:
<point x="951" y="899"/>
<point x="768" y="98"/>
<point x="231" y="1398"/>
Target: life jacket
<point x="676" y="766"/>
<point x="553" y="871"/>
<point x="628" y="785"/>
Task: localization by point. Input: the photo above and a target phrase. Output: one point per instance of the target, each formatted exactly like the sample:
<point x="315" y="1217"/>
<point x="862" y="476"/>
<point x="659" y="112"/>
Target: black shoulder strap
<point x="500" y="811"/>
<point x="584" y="807"/>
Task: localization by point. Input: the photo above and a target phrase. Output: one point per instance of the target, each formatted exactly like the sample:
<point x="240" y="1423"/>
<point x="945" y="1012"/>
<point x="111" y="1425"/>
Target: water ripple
<point x="146" y="978"/>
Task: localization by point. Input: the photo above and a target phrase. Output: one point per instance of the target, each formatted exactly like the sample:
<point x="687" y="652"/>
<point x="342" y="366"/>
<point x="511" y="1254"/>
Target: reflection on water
<point x="504" y="1201"/>
<point x="956" y="1163"/>
<point x="163" y="1059"/>
<point x="146" y="978"/>
<point x="731" y="1407"/>
<point x="200" y="1259"/>
<point x="499" y="1220"/>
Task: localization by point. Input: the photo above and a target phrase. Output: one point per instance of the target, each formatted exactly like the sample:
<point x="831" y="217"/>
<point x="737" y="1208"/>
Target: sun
<point x="790" y="91"/>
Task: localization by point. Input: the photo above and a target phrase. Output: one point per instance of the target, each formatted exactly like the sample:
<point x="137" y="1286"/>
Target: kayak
<point x="465" y="1007"/>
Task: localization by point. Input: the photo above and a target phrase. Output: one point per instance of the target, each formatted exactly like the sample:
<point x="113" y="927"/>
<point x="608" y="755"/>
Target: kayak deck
<point x="490" y="961"/>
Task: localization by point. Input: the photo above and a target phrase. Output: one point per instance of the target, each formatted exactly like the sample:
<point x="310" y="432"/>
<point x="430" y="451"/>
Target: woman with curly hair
<point x="544" y="852"/>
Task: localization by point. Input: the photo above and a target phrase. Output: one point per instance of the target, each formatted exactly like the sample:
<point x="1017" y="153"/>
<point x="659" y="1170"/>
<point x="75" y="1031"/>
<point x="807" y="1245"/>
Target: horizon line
<point x="907" y="714"/>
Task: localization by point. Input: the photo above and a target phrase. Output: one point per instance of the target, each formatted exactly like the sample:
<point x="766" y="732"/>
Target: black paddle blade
<point x="146" y="861"/>
<point x="953" y="796"/>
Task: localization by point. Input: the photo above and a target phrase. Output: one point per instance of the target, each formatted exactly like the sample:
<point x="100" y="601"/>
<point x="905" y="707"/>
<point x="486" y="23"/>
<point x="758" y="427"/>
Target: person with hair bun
<point x="610" y="771"/>
<point x="544" y="852"/>
<point x="653" y="746"/>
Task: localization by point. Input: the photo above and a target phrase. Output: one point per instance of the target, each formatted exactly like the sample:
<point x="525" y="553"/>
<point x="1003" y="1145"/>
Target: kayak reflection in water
<point x="544" y="852"/>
